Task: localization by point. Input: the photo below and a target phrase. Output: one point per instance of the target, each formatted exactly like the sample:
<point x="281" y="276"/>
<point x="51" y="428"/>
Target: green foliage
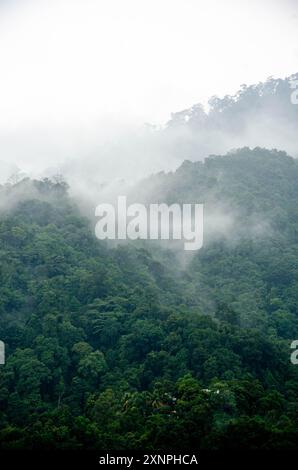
<point x="124" y="349"/>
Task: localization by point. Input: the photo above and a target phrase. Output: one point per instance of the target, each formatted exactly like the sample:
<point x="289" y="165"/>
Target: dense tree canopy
<point x="130" y="348"/>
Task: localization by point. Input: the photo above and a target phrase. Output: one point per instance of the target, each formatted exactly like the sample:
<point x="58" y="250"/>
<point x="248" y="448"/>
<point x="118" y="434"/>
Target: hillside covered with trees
<point x="132" y="347"/>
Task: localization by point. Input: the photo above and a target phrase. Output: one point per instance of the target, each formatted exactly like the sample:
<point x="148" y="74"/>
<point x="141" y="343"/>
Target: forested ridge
<point x="128" y="347"/>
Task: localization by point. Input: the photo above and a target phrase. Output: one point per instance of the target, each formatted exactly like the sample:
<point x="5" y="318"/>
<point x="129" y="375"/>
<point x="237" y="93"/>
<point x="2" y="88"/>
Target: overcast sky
<point x="71" y="70"/>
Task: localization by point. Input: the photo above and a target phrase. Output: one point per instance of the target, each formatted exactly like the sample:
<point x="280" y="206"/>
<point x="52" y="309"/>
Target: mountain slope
<point x="123" y="348"/>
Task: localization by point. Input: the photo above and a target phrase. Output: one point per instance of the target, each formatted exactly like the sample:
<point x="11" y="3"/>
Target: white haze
<point x="79" y="78"/>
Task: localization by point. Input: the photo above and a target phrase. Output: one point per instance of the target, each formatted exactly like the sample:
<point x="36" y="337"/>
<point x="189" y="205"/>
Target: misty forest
<point x="141" y="345"/>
